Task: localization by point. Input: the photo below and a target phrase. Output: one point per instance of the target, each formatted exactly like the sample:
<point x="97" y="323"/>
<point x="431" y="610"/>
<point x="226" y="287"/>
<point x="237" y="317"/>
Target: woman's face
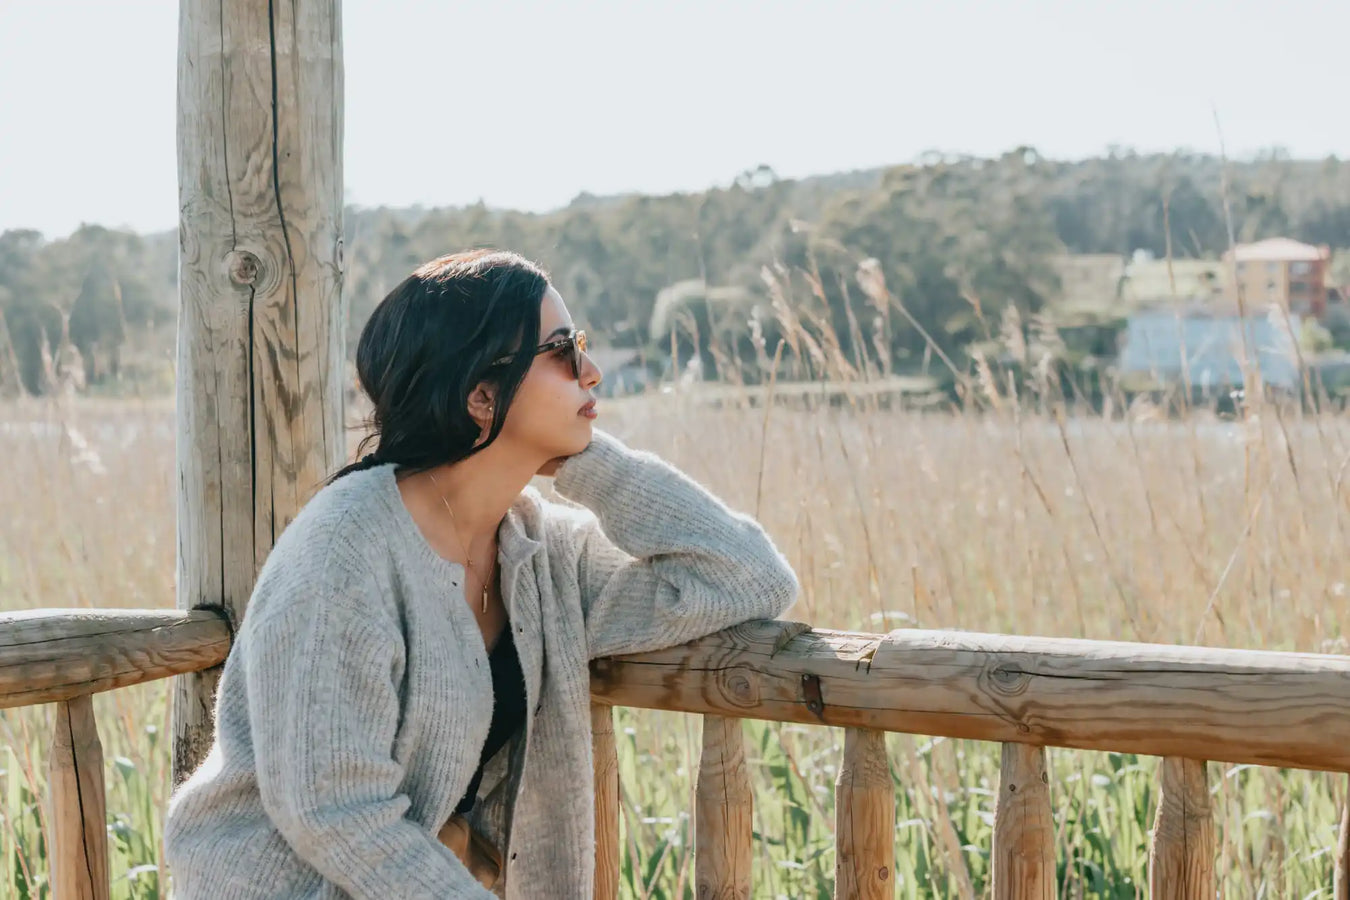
<point x="552" y="412"/>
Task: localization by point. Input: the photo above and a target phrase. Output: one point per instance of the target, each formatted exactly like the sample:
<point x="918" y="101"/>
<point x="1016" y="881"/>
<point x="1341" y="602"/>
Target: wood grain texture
<point x="260" y="339"/>
<point x="1181" y="855"/>
<point x="1260" y="707"/>
<point x="606" y="756"/>
<point x="60" y="654"/>
<point x="723" y="815"/>
<point x="79" y="805"/>
<point x="864" y="819"/>
<point x="1024" y="827"/>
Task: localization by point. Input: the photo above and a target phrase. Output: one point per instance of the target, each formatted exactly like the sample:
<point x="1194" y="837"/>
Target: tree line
<point x="896" y="263"/>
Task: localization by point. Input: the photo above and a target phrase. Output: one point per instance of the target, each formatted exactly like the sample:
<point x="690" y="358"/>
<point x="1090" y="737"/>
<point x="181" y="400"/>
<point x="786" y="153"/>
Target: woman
<point x="415" y="653"/>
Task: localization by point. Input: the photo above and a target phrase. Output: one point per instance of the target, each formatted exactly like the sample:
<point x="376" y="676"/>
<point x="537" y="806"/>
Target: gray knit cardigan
<point x="357" y="696"/>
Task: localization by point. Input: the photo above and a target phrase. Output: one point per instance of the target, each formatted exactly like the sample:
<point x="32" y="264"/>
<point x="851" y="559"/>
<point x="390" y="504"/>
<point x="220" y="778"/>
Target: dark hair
<point x="431" y="342"/>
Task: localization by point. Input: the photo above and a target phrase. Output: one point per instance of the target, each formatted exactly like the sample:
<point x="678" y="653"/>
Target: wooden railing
<point x="1185" y="704"/>
<point x="65" y="656"/>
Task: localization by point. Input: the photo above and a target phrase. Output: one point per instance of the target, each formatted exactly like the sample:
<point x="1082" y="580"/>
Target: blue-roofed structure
<point x="1208" y="349"/>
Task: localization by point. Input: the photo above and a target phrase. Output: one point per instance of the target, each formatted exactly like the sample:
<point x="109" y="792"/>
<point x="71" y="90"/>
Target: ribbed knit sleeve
<point x="321" y="685"/>
<point x="662" y="561"/>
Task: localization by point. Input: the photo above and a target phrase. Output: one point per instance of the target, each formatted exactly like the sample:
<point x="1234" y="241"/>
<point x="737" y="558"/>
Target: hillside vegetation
<point x="959" y="239"/>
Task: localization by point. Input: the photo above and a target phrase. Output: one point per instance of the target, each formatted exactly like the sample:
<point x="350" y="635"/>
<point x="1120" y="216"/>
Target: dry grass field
<point x="1137" y="526"/>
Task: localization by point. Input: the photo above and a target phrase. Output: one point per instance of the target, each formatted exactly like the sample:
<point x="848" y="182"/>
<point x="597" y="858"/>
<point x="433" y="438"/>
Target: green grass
<point x="945" y="793"/>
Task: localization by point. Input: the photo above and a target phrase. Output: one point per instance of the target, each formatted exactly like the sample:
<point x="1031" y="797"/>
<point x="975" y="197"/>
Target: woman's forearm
<point x="664" y="560"/>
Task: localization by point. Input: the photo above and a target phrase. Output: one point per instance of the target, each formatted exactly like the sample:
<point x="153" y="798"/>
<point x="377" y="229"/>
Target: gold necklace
<point x="454" y="527"/>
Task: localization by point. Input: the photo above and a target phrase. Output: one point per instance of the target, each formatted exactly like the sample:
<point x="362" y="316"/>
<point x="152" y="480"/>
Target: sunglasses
<point x="576" y="340"/>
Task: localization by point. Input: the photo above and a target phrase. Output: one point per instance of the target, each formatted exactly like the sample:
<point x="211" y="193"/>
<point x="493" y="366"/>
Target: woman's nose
<point x="590" y="372"/>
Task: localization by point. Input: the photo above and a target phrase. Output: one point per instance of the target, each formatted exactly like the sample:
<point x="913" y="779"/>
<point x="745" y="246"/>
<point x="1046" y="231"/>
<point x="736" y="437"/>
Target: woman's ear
<point x="483" y="404"/>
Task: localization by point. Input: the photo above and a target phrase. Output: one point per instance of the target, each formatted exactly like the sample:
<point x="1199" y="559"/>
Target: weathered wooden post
<point x="1181" y="855"/>
<point x="1024" y="827"/>
<point x="864" y="815"/>
<point x="724" y="808"/>
<point x="606" y="766"/>
<point x="260" y="328"/>
<point x="79" y="804"/>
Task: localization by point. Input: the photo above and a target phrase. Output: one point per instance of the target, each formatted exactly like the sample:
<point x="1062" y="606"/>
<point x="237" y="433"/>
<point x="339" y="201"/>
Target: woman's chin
<point x="586" y="432"/>
<point x="568" y="441"/>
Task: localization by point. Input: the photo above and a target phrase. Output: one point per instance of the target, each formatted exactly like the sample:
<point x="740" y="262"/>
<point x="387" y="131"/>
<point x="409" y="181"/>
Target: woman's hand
<point x="550" y="468"/>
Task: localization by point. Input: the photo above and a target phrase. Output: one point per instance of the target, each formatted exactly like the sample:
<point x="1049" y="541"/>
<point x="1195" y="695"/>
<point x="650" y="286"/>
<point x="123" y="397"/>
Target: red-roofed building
<point x="1283" y="272"/>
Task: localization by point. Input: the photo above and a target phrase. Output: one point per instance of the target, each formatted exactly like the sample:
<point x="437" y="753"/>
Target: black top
<point x="508" y="708"/>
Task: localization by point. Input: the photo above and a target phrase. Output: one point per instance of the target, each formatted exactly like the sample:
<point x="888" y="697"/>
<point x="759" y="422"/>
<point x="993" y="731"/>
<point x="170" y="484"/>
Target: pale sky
<point x="525" y="104"/>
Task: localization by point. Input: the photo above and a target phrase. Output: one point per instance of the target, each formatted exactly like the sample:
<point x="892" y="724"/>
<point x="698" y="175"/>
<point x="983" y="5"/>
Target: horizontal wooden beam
<point x="59" y="654"/>
<point x="1245" y="706"/>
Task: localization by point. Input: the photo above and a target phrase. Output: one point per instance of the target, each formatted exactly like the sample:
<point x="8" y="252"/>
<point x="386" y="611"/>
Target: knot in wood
<point x="739" y="687"/>
<point x="1005" y="678"/>
<point x="243" y="267"/>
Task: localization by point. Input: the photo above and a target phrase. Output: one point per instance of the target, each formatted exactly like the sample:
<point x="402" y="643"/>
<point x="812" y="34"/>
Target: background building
<point x="1284" y="272"/>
